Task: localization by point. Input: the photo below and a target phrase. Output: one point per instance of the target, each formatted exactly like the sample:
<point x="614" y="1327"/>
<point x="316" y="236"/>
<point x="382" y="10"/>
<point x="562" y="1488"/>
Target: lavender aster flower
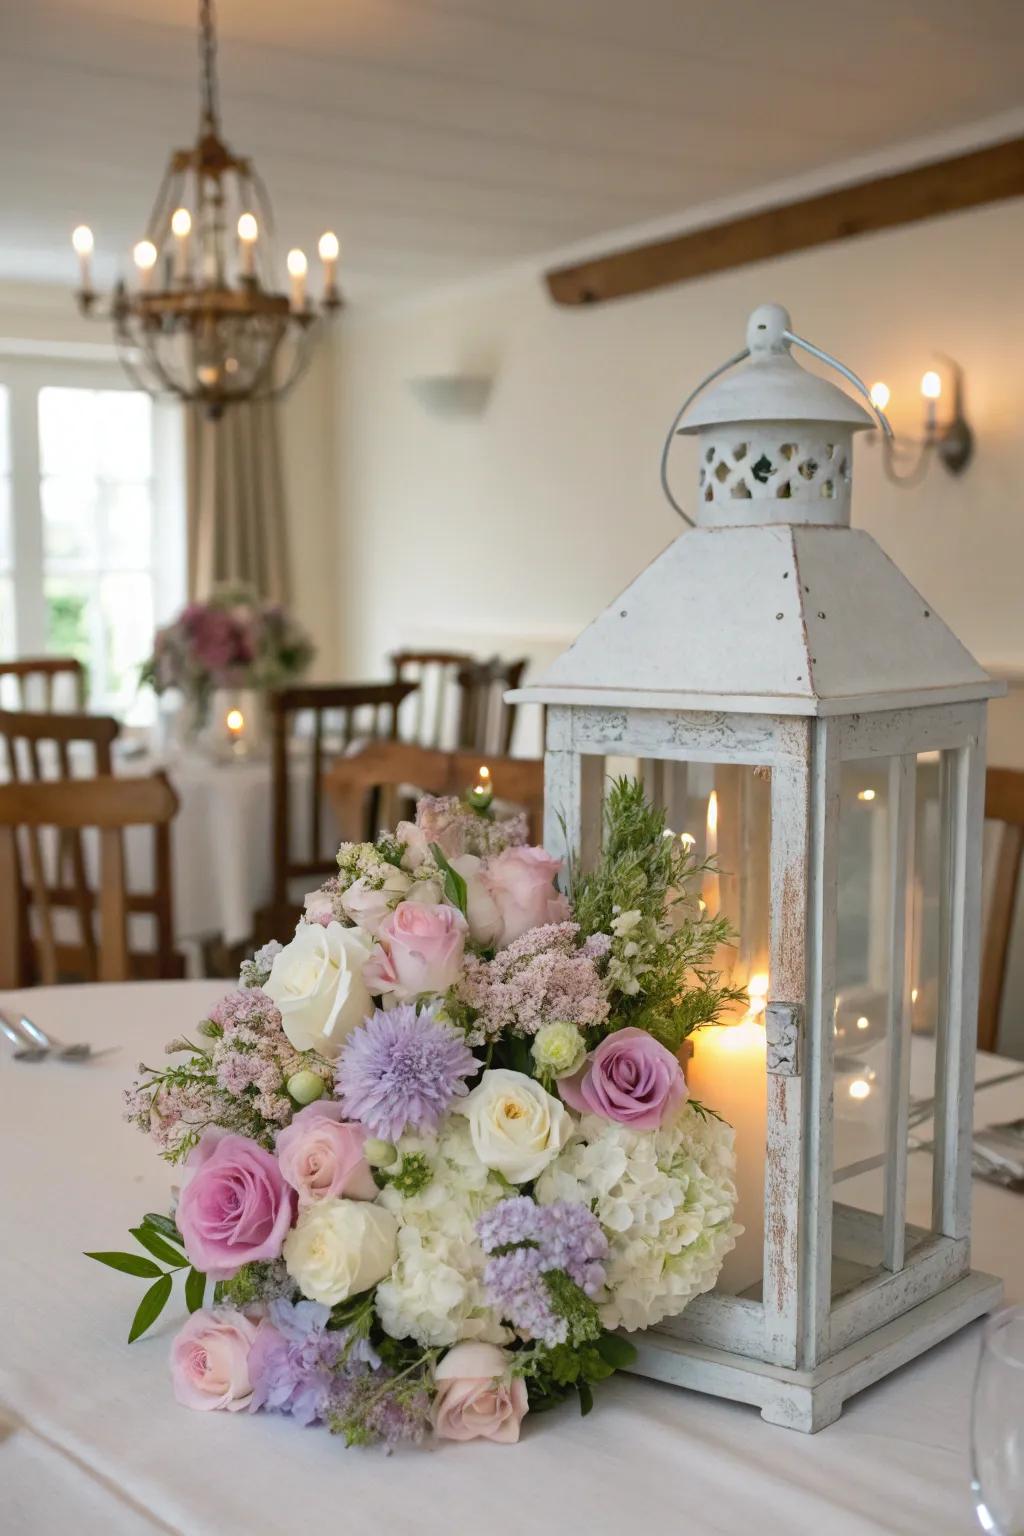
<point x="400" y="1070"/>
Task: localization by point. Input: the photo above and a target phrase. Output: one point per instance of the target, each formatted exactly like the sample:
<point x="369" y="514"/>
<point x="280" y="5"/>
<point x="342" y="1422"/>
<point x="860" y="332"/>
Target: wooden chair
<point x="390" y="766"/>
<point x="486" y="722"/>
<point x="1004" y="803"/>
<point x="41" y="747"/>
<point x="432" y="719"/>
<point x="33" y="681"/>
<point x="341" y="715"/>
<point x="108" y="804"/>
<point x="459" y="701"/>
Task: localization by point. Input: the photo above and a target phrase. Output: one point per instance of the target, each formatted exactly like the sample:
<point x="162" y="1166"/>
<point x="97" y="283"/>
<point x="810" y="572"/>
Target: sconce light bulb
<point x="248" y="229"/>
<point x="931" y="385"/>
<point x="297" y="263"/>
<point x="181" y="223"/>
<point x="81" y="239"/>
<point x="145" y="254"/>
<point x="859" y="1089"/>
<point x="880" y="395"/>
<point x="328" y="247"/>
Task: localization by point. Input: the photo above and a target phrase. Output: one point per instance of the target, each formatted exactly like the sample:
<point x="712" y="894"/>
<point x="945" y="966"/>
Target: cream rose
<point x="516" y="1126"/>
<point x="482" y="914"/>
<point x="338" y="1248"/>
<point x="317" y="983"/>
<point x="368" y="907"/>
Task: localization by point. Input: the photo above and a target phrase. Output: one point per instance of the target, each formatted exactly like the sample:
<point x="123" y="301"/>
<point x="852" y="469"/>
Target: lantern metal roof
<point x="773" y="603"/>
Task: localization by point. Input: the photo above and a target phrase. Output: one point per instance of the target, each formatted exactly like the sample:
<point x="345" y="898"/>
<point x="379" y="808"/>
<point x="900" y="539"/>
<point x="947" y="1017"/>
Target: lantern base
<point x="811" y="1400"/>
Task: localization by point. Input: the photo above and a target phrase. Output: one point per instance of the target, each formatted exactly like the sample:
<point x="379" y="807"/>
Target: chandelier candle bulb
<point x="931" y="389"/>
<point x="145" y="256"/>
<point x="82" y="241"/>
<point x="181" y="229"/>
<point x="297" y="269"/>
<point x="248" y="233"/>
<point x="328" y="249"/>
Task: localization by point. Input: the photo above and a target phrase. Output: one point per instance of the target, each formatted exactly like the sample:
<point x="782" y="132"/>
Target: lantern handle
<point x="787" y="336"/>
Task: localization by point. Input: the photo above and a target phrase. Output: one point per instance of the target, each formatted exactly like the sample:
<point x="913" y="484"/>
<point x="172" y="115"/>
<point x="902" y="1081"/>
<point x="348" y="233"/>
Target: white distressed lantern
<point x="804" y="715"/>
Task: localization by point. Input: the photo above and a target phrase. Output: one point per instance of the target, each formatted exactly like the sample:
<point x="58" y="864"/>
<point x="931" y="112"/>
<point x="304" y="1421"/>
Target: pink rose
<point x="210" y="1360"/>
<point x="321" y="1156"/>
<point x="318" y="908"/>
<point x="236" y="1208"/>
<point x="630" y="1078"/>
<point x="521" y="884"/>
<point x="419" y="950"/>
<point x="367" y="907"/>
<point x="482" y="912"/>
<point x="476" y="1398"/>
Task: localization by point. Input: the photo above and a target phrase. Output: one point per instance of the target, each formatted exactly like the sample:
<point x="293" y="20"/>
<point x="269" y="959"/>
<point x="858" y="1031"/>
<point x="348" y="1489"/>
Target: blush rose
<point x="419" y="951"/>
<point x="210" y="1360"/>
<point x="321" y="1155"/>
<point x="476" y="1397"/>
<point x="520" y="882"/>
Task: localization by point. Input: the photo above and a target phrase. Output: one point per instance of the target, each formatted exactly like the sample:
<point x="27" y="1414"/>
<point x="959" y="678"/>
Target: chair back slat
<point x="337" y="711"/>
<point x="108" y="804"/>
<point x="32" y="680"/>
<point x="1004" y="803"/>
<point x="486" y="722"/>
<point x="432" y="717"/>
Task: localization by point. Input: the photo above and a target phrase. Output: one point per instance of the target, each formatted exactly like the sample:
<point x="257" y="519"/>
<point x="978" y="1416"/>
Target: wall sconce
<point x="951" y="441"/>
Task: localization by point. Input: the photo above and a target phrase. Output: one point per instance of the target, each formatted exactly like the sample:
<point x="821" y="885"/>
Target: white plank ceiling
<point x="443" y="138"/>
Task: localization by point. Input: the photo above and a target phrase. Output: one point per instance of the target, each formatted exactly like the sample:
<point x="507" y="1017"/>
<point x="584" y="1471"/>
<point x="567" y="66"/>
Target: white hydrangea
<point x="665" y="1200"/>
<point x="435" y="1292"/>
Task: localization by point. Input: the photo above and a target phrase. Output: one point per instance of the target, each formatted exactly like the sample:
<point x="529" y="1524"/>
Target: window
<point x="91" y="522"/>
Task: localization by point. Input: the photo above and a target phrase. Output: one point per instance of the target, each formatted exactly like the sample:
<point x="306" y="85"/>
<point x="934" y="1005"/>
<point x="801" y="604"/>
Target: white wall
<point x="526" y="521"/>
<point x="41" y="320"/>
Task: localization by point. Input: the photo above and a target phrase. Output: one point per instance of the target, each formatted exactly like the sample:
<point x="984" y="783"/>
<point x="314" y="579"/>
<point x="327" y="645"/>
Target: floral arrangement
<point x="232" y="640"/>
<point x="438" y="1151"/>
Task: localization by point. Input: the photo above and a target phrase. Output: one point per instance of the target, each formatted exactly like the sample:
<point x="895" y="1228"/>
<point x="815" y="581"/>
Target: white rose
<point x="368" y="907"/>
<point x="317" y="983"/>
<point x="317" y="905"/>
<point x="517" y="1127"/>
<point x="338" y="1248"/>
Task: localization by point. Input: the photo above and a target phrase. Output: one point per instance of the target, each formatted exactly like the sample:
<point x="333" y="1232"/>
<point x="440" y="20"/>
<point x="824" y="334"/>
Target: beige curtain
<point x="236" y="513"/>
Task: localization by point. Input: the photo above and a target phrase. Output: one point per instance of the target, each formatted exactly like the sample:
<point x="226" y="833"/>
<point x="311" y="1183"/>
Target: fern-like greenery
<point x="663" y="947"/>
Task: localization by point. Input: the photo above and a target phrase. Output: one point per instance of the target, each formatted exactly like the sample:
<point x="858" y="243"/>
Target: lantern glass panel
<point x="726" y="809"/>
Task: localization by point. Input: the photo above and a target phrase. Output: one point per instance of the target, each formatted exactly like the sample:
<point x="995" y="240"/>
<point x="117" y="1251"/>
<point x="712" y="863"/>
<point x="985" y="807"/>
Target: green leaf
<point x="128" y="1264"/>
<point x="195" y="1289"/>
<point x="586" y="1398"/>
<point x="158" y="1247"/>
<point x="618" y="1352"/>
<point x="454" y="885"/>
<point x="150" y="1307"/>
<point x="165" y="1225"/>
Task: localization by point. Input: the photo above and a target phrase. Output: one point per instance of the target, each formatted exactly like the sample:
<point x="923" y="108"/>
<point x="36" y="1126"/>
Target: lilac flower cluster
<point x="401" y="1070"/>
<point x="293" y="1358"/>
<point x="540" y="978"/>
<point x="370" y="1406"/>
<point x="529" y="1241"/>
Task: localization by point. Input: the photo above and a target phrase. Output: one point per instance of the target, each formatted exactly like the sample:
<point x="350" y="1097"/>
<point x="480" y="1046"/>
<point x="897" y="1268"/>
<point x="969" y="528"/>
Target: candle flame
<point x="234" y="720"/>
<point x="859" y="1089"/>
<point x="713" y="811"/>
<point x="484" y="775"/>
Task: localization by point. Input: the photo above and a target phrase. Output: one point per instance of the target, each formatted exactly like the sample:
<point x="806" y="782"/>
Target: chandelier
<point x="202" y="320"/>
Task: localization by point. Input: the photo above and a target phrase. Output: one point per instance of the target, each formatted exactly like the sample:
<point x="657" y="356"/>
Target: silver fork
<point x="23" y="1051"/>
<point x="49" y="1046"/>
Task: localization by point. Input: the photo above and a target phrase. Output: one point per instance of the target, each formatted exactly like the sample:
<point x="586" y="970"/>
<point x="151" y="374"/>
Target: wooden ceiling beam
<point x="925" y="192"/>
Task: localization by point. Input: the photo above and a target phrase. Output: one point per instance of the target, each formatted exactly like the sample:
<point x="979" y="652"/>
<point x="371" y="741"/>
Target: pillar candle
<point x="727" y="1072"/>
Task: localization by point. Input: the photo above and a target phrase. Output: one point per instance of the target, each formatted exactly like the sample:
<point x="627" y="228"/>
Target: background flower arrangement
<point x="232" y="640"/>
<point x="439" y="1146"/>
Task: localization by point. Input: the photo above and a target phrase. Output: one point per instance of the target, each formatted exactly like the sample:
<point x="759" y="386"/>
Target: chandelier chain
<point x="208" y="66"/>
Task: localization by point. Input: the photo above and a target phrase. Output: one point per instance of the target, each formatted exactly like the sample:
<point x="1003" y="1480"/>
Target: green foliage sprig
<point x="160" y="1237"/>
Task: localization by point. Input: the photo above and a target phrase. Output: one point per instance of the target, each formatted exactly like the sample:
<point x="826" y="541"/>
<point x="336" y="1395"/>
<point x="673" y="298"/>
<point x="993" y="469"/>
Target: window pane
<point x="69" y="520"/>
<point x="126" y="609"/>
<point x="6" y="616"/>
<point x="128" y="544"/>
<point x="5" y="431"/>
<point x="124" y="434"/>
<point x="6" y="542"/>
<point x="68" y="617"/>
<point x="67" y="431"/>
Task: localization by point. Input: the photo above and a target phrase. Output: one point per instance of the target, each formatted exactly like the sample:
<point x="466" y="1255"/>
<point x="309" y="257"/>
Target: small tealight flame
<point x="865" y="794"/>
<point x="234" y="720"/>
<point x="859" y="1089"/>
<point x="863" y="1023"/>
<point x="484" y="775"/>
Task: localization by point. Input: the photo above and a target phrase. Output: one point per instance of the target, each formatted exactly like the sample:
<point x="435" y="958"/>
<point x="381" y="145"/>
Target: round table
<point x="96" y="1443"/>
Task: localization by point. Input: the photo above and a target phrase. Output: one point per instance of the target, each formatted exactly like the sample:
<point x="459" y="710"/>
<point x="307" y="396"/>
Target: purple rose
<point x="237" y="1207"/>
<point x="630" y="1078"/>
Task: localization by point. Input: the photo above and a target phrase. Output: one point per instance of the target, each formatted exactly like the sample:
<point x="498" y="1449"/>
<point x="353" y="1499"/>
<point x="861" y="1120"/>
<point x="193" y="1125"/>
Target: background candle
<point x="181" y="229"/>
<point x="248" y="233"/>
<point x="727" y="1072"/>
<point x="297" y="267"/>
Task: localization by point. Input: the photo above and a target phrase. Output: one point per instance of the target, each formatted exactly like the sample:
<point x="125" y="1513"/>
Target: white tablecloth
<point x="99" y="1444"/>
